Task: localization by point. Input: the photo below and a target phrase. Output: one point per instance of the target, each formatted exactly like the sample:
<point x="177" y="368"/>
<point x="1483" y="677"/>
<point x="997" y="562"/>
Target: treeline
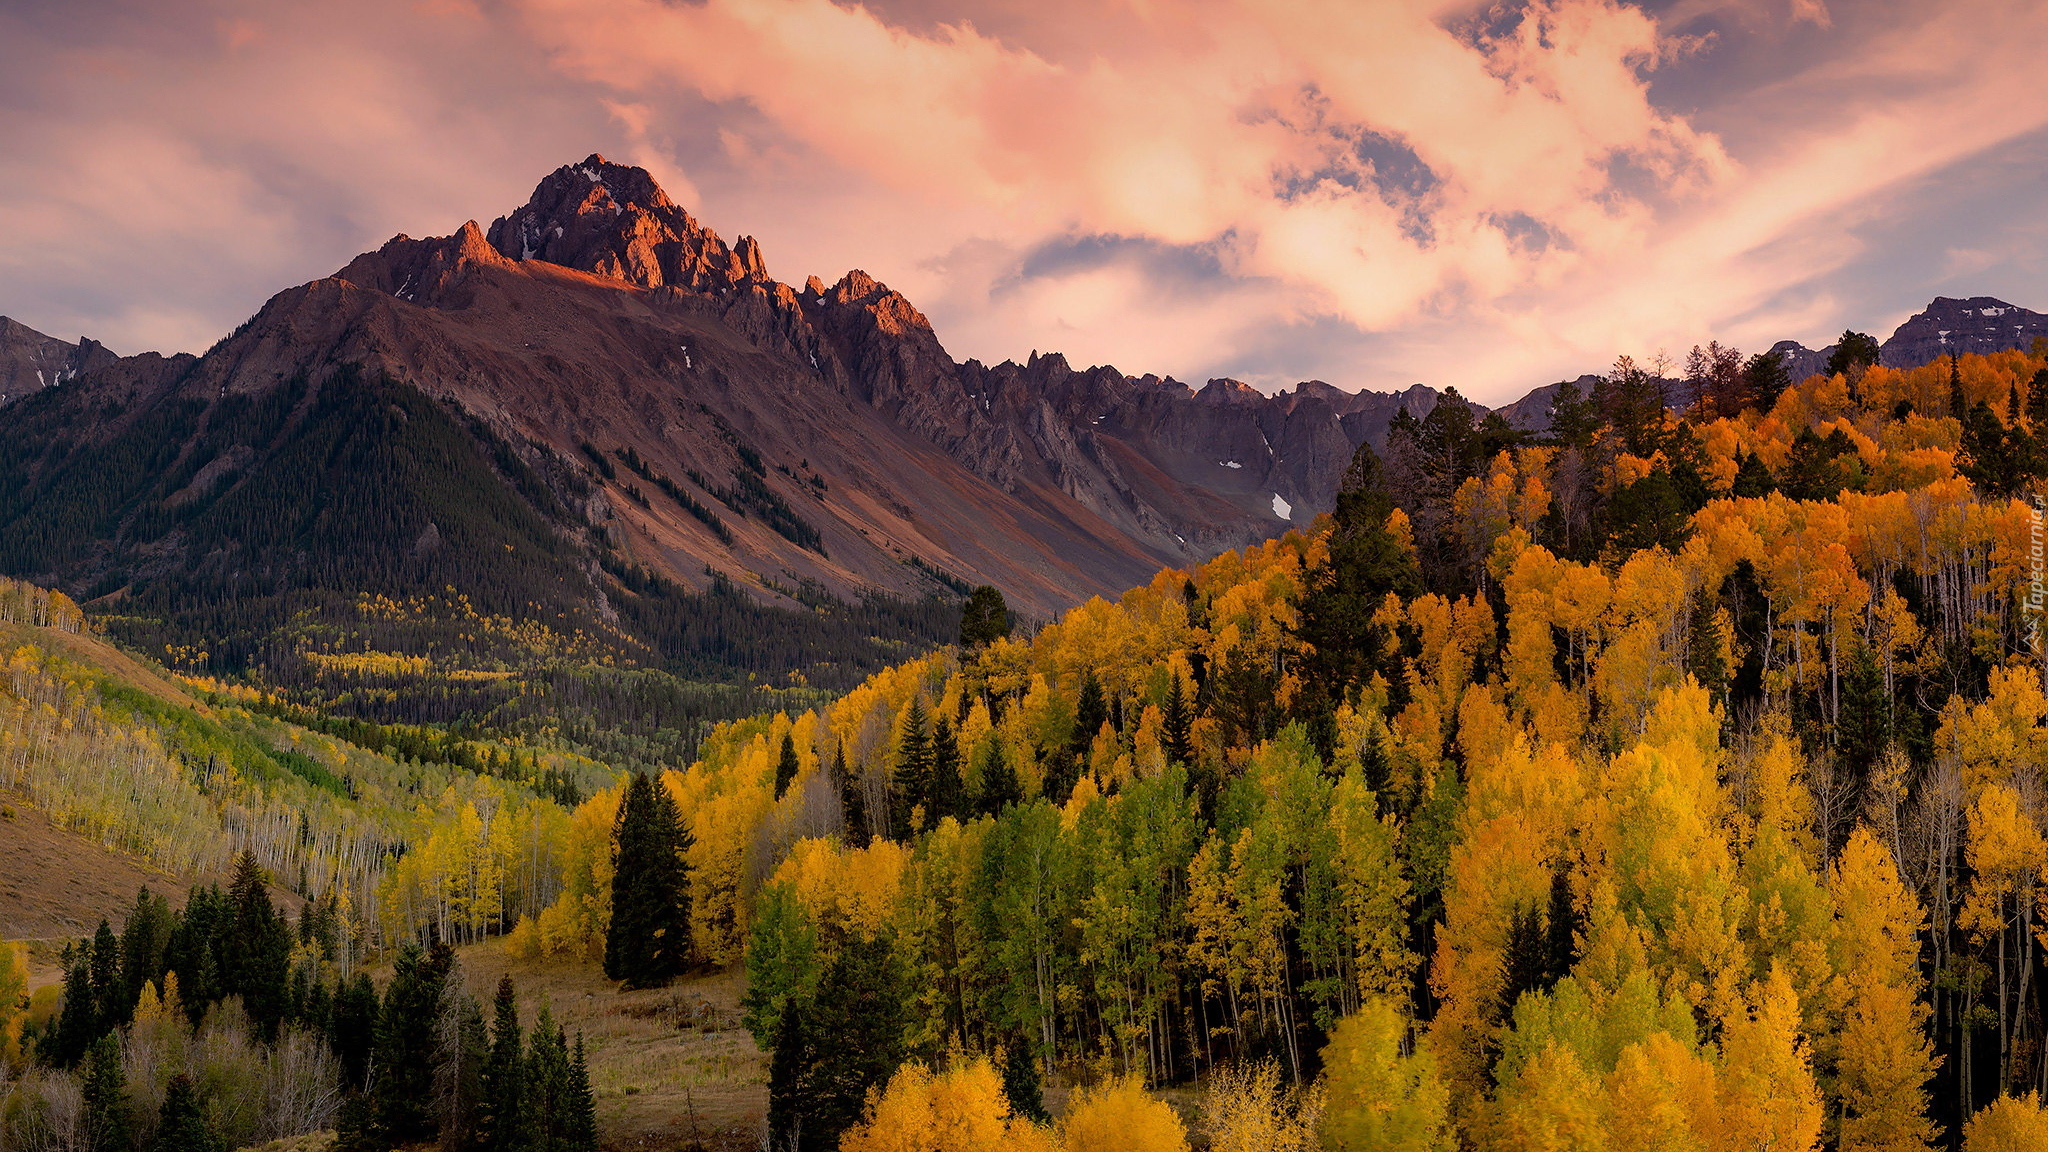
<point x="223" y="1024"/>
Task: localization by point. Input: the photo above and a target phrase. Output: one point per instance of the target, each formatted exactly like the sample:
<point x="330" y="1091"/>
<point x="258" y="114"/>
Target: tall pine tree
<point x="504" y="1074"/>
<point x="406" y="1042"/>
<point x="181" y="1124"/>
<point x="913" y="775"/>
<point x="104" y="1094"/>
<point x="999" y="784"/>
<point x="947" y="788"/>
<point x="785" y="766"/>
<point x="648" y="940"/>
<point x="853" y="800"/>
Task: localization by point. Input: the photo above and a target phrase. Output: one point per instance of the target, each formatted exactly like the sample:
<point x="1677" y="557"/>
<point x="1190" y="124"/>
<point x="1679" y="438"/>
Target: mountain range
<point x="596" y="409"/>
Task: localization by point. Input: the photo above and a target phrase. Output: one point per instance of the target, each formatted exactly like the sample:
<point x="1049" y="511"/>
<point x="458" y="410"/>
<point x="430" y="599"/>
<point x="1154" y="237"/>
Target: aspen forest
<point x="1675" y="778"/>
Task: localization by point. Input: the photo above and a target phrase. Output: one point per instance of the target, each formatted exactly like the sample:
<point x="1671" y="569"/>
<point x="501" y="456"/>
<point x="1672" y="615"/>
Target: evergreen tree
<point x="504" y="1074"/>
<point x="1525" y="961"/>
<point x="853" y="803"/>
<point x="785" y="766"/>
<point x="579" y="1125"/>
<point x="1863" y="725"/>
<point x="1958" y="407"/>
<point x="352" y="1028"/>
<point x="145" y="942"/>
<point x="2037" y="402"/>
<point x="104" y="1095"/>
<point x="1021" y="1084"/>
<point x="1853" y="353"/>
<point x="1703" y="657"/>
<point x="1752" y="479"/>
<point x="355" y="1129"/>
<point x="1573" y="421"/>
<point x="1560" y="947"/>
<point x="1091" y="712"/>
<point x="545" y="1110"/>
<point x="913" y="774"/>
<point x="1766" y="378"/>
<point x="786" y="1104"/>
<point x="947" y="786"/>
<point x="1179" y="723"/>
<point x="77" y="1024"/>
<point x="181" y="1124"/>
<point x="648" y="940"/>
<point x="406" y="1042"/>
<point x="849" y="1041"/>
<point x="1060" y="773"/>
<point x="999" y="784"/>
<point x="985" y="618"/>
<point x="103" y="974"/>
<point x="195" y="951"/>
<point x="258" y="949"/>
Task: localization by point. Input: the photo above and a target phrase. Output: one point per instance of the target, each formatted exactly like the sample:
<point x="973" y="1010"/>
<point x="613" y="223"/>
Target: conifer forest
<point x="1675" y="778"/>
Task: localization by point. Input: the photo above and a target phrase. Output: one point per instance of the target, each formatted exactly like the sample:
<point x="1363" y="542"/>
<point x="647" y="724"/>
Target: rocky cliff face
<point x="31" y="361"/>
<point x="1980" y="324"/>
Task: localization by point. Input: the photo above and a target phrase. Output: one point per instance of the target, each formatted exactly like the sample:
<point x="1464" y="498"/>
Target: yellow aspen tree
<point x="13" y="986"/>
<point x="2008" y="1124"/>
<point x="1885" y="1056"/>
<point x="1118" y="1116"/>
<point x="1768" y="1099"/>
<point x="1378" y="1098"/>
<point x="961" y="1108"/>
<point x="2007" y="853"/>
<point x="1373" y="890"/>
<point x="1246" y="1110"/>
<point x="1656" y="1096"/>
<point x="1552" y="1105"/>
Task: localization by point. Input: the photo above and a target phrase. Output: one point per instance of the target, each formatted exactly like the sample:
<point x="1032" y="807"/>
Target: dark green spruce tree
<point x="103" y="1092"/>
<point x="104" y="979"/>
<point x="853" y="801"/>
<point x="1335" y="613"/>
<point x="647" y="943"/>
<point x="1000" y="787"/>
<point x="786" y="1104"/>
<point x="579" y="1122"/>
<point x="785" y="766"/>
<point x="77" y="1024"/>
<point x="827" y="1058"/>
<point x="258" y="949"/>
<point x="407" y="1038"/>
<point x="912" y="777"/>
<point x="948" y="790"/>
<point x="181" y="1124"/>
<point x="504" y="1074"/>
<point x="1022" y="1086"/>
<point x="352" y="1029"/>
<point x="985" y="618"/>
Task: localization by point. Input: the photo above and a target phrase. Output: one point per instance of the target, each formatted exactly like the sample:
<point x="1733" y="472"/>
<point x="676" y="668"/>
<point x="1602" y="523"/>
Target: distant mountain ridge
<point x="688" y="414"/>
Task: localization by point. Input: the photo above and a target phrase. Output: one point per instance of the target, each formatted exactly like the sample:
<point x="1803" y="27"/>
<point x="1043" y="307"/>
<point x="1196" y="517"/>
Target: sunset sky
<point x="1373" y="193"/>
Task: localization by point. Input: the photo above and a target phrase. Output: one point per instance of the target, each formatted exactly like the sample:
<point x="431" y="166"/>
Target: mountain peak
<point x="614" y="220"/>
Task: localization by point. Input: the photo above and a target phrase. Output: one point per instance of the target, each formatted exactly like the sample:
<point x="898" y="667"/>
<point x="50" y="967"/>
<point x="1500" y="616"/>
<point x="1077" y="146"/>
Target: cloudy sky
<point x="1369" y="192"/>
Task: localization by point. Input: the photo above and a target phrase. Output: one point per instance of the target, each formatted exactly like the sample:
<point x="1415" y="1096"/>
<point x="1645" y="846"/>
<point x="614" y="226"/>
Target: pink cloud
<point x="1436" y="192"/>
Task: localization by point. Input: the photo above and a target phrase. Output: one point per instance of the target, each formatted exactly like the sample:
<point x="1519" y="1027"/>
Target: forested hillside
<point x="1674" y="780"/>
